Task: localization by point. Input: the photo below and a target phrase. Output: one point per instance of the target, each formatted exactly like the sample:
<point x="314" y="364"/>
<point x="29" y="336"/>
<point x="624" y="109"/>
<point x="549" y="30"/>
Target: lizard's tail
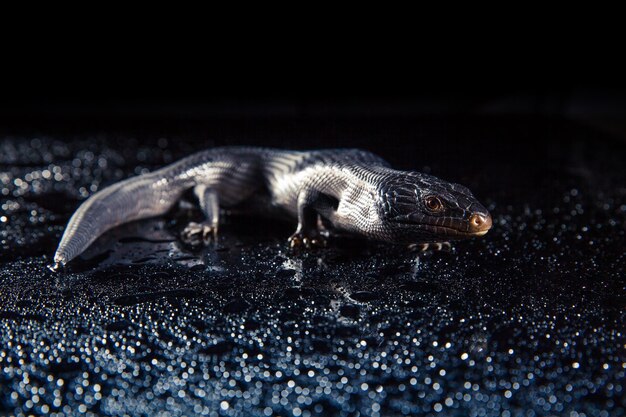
<point x="133" y="199"/>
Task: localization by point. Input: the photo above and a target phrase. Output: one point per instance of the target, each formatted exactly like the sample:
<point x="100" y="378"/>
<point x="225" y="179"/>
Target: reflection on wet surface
<point x="527" y="320"/>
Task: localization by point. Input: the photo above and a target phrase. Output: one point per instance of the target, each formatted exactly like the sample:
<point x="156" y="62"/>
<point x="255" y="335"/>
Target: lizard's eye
<point x="433" y="203"/>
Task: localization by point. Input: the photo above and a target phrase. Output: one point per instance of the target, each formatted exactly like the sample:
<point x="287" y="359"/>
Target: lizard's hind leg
<point x="199" y="234"/>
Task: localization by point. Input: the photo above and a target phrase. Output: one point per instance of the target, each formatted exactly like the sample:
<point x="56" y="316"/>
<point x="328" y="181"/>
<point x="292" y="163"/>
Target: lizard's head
<point x="417" y="207"/>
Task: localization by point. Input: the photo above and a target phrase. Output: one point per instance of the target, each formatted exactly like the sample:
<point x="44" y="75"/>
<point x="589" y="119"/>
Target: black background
<point x="108" y="70"/>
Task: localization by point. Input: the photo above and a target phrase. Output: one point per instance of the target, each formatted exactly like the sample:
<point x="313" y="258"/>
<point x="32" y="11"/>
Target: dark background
<point x="180" y="72"/>
<point x="599" y="106"/>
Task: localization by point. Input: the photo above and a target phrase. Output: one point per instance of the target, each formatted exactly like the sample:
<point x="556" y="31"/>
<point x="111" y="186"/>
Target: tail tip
<point x="58" y="265"/>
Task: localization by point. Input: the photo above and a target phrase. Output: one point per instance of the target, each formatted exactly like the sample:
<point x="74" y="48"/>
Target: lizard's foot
<point x="199" y="234"/>
<point x="300" y="240"/>
<point x="435" y="247"/>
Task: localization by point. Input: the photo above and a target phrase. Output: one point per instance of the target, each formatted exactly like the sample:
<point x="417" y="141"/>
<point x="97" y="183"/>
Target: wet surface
<point x="528" y="320"/>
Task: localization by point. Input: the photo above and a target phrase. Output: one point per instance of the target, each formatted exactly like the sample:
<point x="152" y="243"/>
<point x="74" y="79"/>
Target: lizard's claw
<point x="435" y="247"/>
<point x="301" y="241"/>
<point x="199" y="234"/>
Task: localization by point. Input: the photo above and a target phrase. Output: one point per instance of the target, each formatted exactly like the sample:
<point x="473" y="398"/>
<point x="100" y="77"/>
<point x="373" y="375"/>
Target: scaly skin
<point x="349" y="189"/>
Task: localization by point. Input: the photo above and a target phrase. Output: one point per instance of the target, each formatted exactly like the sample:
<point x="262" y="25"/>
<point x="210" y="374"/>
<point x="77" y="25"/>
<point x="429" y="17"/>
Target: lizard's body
<point x="352" y="190"/>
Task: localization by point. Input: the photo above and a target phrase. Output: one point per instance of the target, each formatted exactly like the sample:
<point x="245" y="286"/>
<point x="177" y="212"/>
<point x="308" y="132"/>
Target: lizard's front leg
<point x="308" y="234"/>
<point x="198" y="234"/>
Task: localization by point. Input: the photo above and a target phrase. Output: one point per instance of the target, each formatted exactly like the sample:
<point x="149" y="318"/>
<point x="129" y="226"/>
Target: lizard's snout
<point x="479" y="224"/>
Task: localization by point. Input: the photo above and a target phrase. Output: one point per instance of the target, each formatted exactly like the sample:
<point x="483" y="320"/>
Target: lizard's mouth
<point x="477" y="225"/>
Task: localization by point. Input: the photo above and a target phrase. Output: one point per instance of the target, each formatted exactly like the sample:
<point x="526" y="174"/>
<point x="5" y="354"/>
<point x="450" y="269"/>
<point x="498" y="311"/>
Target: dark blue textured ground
<point x="528" y="320"/>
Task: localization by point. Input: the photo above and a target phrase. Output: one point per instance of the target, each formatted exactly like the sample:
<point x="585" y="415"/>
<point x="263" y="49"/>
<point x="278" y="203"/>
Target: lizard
<point x="346" y="190"/>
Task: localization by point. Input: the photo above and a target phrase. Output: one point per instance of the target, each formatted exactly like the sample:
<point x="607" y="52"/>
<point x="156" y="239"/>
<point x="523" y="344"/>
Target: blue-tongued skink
<point x="348" y="190"/>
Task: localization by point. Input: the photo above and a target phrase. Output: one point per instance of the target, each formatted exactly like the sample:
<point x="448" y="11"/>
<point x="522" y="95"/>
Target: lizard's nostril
<point x="480" y="223"/>
<point x="477" y="220"/>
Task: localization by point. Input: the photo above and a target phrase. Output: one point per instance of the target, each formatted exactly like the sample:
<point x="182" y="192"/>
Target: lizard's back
<point x="240" y="173"/>
<point x="285" y="171"/>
